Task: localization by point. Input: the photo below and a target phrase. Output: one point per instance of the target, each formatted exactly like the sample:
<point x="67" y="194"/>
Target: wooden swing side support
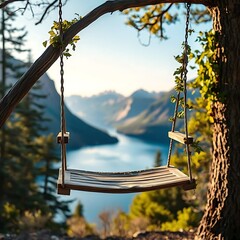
<point x="61" y="189"/>
<point x="66" y="137"/>
<point x="180" y="137"/>
<point x="189" y="186"/>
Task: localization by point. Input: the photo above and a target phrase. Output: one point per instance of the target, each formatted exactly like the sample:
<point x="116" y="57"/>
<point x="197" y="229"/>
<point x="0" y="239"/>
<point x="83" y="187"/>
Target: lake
<point x="128" y="154"/>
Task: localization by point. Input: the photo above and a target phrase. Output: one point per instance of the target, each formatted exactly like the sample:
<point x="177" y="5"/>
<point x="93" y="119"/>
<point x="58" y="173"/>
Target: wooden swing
<point x="133" y="181"/>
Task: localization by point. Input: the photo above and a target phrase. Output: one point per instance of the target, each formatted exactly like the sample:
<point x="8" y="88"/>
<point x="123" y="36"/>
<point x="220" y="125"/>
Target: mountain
<point x="99" y="110"/>
<point x="153" y="124"/>
<point x="81" y="133"/>
<point x="133" y="105"/>
<point x="110" y="108"/>
<point x="141" y="93"/>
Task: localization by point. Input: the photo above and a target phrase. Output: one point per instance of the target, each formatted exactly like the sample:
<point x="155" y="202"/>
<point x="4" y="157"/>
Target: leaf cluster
<point x="56" y="35"/>
<point x="206" y="80"/>
<point x="179" y="75"/>
<point x="186" y="219"/>
<point x="152" y="18"/>
<point x="155" y="18"/>
<point x="161" y="207"/>
<point x="200" y="122"/>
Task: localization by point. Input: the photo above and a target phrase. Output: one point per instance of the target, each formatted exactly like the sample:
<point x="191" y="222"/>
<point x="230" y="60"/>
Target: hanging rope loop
<point x="63" y="130"/>
<point x="185" y="71"/>
<point x="184" y="82"/>
<point x="62" y="104"/>
<point x="60" y="21"/>
<point x="186" y="47"/>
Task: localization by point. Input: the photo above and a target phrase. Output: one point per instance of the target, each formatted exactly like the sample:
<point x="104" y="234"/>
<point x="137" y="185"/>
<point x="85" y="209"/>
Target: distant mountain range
<point x="110" y="108"/>
<point x="99" y="110"/>
<point x="81" y="133"/>
<point x="143" y="114"/>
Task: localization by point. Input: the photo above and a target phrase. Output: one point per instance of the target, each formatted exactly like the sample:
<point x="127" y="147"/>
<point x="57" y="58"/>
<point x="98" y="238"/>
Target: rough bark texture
<point x="222" y="214"/>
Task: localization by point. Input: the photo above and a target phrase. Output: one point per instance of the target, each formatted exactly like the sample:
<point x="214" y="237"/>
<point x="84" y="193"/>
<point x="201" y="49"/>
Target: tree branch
<point x="5" y="3"/>
<point x="51" y="54"/>
<point x="158" y="18"/>
<point x="46" y="11"/>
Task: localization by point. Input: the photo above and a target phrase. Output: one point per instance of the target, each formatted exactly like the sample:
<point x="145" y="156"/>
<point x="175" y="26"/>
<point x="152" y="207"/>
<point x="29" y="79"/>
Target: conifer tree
<point x="27" y="157"/>
<point x="158" y="159"/>
<point x="8" y="35"/>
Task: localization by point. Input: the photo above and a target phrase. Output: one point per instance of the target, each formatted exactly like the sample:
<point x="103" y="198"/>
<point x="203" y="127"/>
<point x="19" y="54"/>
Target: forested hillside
<point x="82" y="134"/>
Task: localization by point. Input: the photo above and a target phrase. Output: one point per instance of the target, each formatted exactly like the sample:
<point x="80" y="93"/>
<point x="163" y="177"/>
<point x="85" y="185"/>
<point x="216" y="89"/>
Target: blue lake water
<point x="128" y="154"/>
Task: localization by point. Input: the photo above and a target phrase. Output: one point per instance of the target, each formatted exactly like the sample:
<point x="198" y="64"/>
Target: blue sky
<point x="109" y="55"/>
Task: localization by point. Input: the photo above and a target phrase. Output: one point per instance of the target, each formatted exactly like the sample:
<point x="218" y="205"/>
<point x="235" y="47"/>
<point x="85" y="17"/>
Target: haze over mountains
<point x="142" y="114"/>
<point x="110" y="108"/>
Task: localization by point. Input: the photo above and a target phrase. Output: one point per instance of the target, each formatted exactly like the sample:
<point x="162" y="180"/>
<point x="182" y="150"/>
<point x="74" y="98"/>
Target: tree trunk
<point x="222" y="214"/>
<point x="3" y="84"/>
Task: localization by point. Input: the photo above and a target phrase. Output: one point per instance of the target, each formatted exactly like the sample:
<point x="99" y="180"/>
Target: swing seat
<point x="123" y="182"/>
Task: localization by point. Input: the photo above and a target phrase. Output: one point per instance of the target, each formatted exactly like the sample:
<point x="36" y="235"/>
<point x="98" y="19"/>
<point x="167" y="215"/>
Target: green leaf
<point x="173" y="99"/>
<point x="67" y="54"/>
<point x="52" y="33"/>
<point x="45" y="43"/>
<point x="76" y="38"/>
<point x="180" y="114"/>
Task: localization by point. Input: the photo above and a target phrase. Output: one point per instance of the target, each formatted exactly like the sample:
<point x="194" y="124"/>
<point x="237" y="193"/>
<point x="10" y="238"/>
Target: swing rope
<point x="63" y="120"/>
<point x="184" y="79"/>
<point x="186" y="48"/>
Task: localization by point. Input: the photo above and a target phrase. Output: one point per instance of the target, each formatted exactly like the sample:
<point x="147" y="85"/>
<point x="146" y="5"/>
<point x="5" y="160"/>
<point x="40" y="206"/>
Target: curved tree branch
<point x="51" y="54"/>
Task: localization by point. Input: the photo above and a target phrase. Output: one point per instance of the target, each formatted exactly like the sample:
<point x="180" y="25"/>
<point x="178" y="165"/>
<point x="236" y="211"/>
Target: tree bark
<point x="3" y="84"/>
<point x="45" y="61"/>
<point x="221" y="219"/>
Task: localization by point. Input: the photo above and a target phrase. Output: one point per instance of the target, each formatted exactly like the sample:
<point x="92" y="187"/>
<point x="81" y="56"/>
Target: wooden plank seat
<point x="123" y="182"/>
